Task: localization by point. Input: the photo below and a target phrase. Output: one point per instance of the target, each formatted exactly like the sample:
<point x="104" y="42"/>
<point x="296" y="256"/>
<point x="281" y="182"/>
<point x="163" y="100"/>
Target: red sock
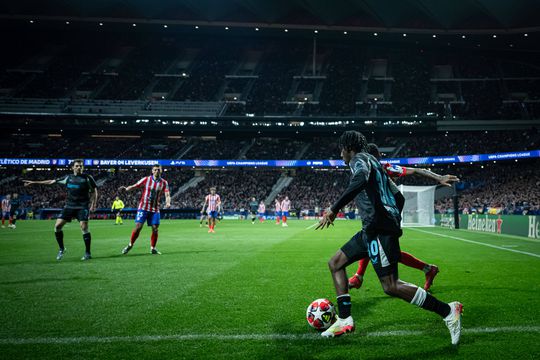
<point x="134" y="236"/>
<point x="3" y="221"/>
<point x="411" y="261"/>
<point x="284" y="219"/>
<point x="153" y="239"/>
<point x="362" y="266"/>
<point x="9" y="221"/>
<point x="277" y="219"/>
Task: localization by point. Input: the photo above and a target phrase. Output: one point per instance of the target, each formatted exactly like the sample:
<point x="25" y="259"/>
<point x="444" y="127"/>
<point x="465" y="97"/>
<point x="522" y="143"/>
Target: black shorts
<point x="14" y="213"/>
<point x="69" y="213"/>
<point x="382" y="249"/>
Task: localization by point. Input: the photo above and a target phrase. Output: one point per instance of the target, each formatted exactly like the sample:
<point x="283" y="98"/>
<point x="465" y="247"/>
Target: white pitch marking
<point x="310" y="226"/>
<point x="478" y="243"/>
<point x="243" y="337"/>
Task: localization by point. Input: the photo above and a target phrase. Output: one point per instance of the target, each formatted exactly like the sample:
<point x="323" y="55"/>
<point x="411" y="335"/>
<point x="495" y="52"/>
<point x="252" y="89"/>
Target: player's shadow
<point x="168" y="253"/>
<point x="114" y="256"/>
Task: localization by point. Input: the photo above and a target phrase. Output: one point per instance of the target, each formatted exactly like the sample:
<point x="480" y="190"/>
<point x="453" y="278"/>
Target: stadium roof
<point x="472" y="16"/>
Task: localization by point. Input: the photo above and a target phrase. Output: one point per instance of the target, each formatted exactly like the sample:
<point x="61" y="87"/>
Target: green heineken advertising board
<point x="519" y="225"/>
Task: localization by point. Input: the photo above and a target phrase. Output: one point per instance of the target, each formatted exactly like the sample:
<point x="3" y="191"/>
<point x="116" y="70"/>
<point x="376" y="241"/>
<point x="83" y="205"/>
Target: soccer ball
<point x="320" y="314"/>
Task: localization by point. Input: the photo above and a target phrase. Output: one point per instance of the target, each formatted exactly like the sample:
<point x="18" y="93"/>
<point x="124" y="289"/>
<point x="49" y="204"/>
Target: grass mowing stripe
<point x="263" y="337"/>
<point x="478" y="243"/>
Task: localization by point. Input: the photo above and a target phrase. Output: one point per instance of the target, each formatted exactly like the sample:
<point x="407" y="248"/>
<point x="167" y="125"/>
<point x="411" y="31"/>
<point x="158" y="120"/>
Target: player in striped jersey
<point x="261" y="211"/>
<point x="278" y="210"/>
<point x="6" y="209"/>
<point x="212" y="204"/>
<point x="148" y="210"/>
<point x="285" y="207"/>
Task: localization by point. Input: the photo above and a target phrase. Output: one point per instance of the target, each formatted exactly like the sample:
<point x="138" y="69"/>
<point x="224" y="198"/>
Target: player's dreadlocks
<point x="373" y="149"/>
<point x="353" y="140"/>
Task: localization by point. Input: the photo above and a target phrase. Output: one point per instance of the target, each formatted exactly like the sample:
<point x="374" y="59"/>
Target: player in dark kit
<point x="378" y="240"/>
<point x="81" y="200"/>
<point x="253" y="207"/>
<point x="15" y="210"/>
<point x="395" y="171"/>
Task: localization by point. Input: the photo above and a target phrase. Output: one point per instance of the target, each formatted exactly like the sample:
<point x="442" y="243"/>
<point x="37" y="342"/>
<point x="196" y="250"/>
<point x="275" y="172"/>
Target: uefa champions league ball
<point x="320" y="314"/>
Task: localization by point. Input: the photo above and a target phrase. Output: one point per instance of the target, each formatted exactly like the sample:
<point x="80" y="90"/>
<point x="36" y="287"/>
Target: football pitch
<point x="242" y="293"/>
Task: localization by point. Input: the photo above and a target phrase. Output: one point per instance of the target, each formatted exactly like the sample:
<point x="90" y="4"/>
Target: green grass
<point x="253" y="280"/>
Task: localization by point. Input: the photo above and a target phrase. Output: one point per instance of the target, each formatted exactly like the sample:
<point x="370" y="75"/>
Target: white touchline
<point x="310" y="226"/>
<point x="259" y="337"/>
<point x="478" y="243"/>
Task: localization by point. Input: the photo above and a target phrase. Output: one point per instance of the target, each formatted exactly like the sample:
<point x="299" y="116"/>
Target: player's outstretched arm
<point x="445" y="180"/>
<point x="93" y="201"/>
<point x="127" y="188"/>
<point x="167" y="200"/>
<point x="41" y="182"/>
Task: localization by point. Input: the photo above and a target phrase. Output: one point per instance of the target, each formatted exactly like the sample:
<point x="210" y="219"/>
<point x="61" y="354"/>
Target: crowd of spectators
<point x="176" y="177"/>
<point x="215" y="149"/>
<point x="401" y="145"/>
<point x="316" y="189"/>
<point x="40" y="196"/>
<point x="236" y="188"/>
<point x="116" y="68"/>
<point x="494" y="188"/>
<point x="468" y="143"/>
<point x="268" y="148"/>
<point x="512" y="188"/>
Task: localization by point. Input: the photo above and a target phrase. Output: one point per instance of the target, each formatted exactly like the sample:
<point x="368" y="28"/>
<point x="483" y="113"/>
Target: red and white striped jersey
<point x="394" y="171"/>
<point x="152" y="191"/>
<point x="278" y="206"/>
<point x="213" y="202"/>
<point x="285" y="205"/>
<point x="6" y="205"/>
<point x="262" y="208"/>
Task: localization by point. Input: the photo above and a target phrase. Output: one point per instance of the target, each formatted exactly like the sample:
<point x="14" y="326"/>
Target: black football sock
<point x="87" y="240"/>
<point x="60" y="239"/>
<point x="437" y="306"/>
<point x="431" y="303"/>
<point x="344" y="306"/>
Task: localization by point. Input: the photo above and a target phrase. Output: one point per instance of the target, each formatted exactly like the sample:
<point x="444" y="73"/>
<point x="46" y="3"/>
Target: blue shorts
<point x="151" y="218"/>
<point x="261" y="214"/>
<point x="5" y="214"/>
<point x="278" y="213"/>
<point x="285" y="213"/>
<point x="213" y="214"/>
